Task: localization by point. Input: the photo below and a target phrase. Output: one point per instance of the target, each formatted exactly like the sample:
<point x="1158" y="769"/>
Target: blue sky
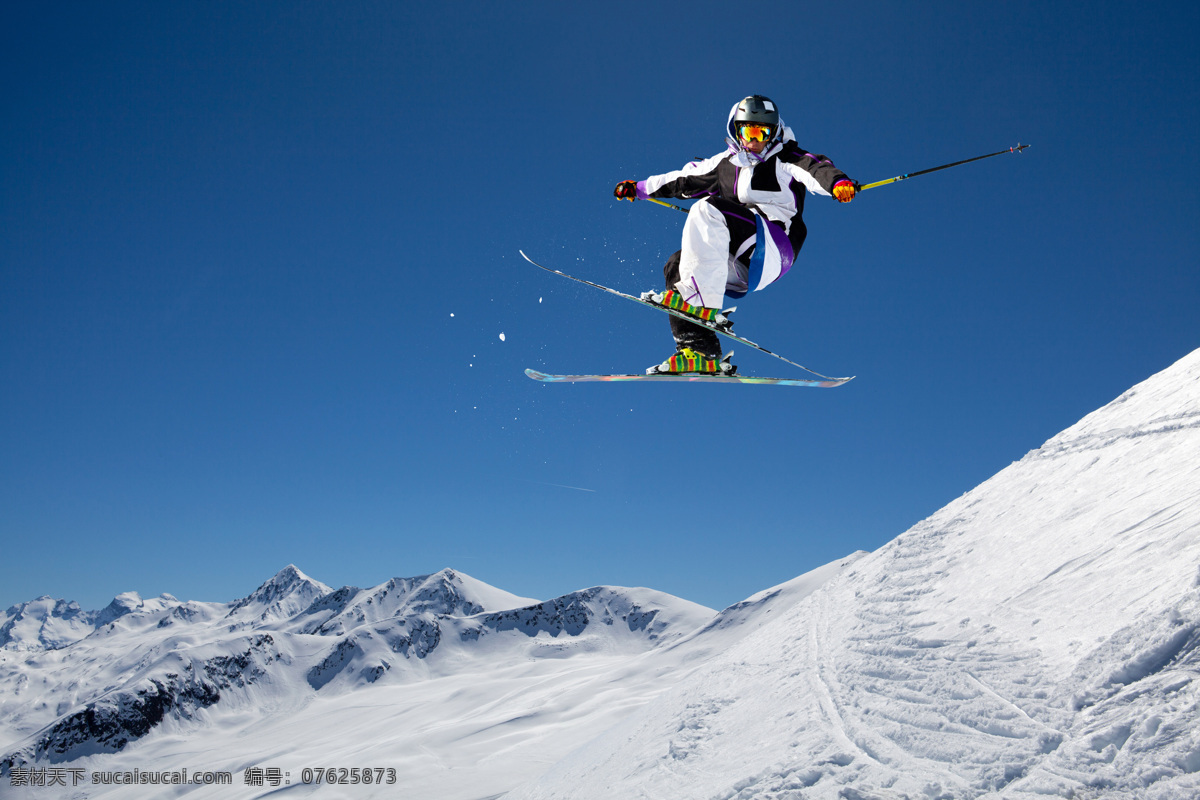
<point x="257" y="259"/>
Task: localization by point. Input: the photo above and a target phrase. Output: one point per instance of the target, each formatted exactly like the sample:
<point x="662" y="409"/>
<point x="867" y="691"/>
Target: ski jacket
<point x="771" y="183"/>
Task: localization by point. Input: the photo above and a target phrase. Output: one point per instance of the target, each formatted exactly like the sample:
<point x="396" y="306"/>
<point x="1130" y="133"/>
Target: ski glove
<point x="626" y="190"/>
<point x="844" y="191"/>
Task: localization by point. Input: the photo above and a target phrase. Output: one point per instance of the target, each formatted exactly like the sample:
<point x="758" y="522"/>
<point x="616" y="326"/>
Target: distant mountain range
<point x="89" y="686"/>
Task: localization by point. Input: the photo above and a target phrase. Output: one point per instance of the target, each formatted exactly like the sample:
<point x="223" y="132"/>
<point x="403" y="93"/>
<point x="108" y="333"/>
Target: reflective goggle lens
<point x="750" y="133"/>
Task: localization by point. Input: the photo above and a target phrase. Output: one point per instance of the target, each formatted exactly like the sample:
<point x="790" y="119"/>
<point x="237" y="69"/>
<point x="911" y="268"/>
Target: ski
<point x="688" y="377"/>
<point x="674" y="313"/>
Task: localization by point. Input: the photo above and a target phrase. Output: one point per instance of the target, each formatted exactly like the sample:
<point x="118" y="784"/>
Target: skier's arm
<point x="695" y="180"/>
<point x="816" y="172"/>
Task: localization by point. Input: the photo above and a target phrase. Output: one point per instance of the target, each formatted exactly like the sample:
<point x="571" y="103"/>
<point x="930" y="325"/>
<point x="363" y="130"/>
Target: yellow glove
<point x="844" y="191"/>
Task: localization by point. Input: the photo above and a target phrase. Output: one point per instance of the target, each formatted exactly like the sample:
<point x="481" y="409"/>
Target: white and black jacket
<point x="772" y="184"/>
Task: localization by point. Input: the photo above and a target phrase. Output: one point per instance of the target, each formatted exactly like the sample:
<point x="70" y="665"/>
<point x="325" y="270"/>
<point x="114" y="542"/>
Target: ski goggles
<point x="761" y="133"/>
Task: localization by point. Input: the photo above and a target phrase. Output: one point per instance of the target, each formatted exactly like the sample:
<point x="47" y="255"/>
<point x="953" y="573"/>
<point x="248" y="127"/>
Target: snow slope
<point x="1035" y="638"/>
<point x="1038" y="637"/>
<point x="463" y="689"/>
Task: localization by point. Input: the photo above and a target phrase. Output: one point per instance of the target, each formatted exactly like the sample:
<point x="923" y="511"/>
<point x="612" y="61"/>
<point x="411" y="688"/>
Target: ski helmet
<point x="756" y="117"/>
<point x="756" y="110"/>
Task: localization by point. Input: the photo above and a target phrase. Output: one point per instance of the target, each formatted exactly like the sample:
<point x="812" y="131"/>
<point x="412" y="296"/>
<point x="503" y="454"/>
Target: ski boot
<point x="674" y="300"/>
<point x="688" y="361"/>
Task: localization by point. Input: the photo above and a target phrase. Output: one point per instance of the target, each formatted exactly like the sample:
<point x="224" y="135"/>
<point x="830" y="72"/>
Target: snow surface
<point x="1035" y="638"/>
<point x="464" y="689"/>
<point x="1038" y="637"/>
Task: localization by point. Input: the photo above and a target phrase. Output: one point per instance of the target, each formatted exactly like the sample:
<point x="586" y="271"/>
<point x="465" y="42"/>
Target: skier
<point x="745" y="231"/>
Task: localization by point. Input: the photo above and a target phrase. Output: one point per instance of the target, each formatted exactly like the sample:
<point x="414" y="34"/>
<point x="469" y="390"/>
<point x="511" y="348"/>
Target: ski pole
<point x="903" y="177"/>
<point x="668" y="205"/>
<point x="908" y="175"/>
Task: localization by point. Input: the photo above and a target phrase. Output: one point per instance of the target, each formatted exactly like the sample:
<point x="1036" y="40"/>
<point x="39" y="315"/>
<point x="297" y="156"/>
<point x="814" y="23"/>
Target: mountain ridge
<point x="142" y="663"/>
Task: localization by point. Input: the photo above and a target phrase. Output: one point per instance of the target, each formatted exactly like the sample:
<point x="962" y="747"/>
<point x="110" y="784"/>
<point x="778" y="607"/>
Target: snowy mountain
<point x="284" y="596"/>
<point x="449" y="669"/>
<point x="47" y="624"/>
<point x="1038" y="637"/>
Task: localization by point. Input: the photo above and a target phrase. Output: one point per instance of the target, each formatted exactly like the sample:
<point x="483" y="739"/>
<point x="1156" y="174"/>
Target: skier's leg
<point x="716" y="234"/>
<point x="688" y="334"/>
<point x="718" y="240"/>
<point x="704" y="259"/>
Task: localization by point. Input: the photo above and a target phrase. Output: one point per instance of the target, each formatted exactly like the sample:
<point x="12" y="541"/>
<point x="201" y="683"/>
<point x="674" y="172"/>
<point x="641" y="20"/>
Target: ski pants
<point x="728" y="251"/>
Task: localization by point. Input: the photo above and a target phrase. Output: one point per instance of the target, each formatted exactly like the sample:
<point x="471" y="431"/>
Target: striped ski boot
<point x="688" y="362"/>
<point x="674" y="300"/>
